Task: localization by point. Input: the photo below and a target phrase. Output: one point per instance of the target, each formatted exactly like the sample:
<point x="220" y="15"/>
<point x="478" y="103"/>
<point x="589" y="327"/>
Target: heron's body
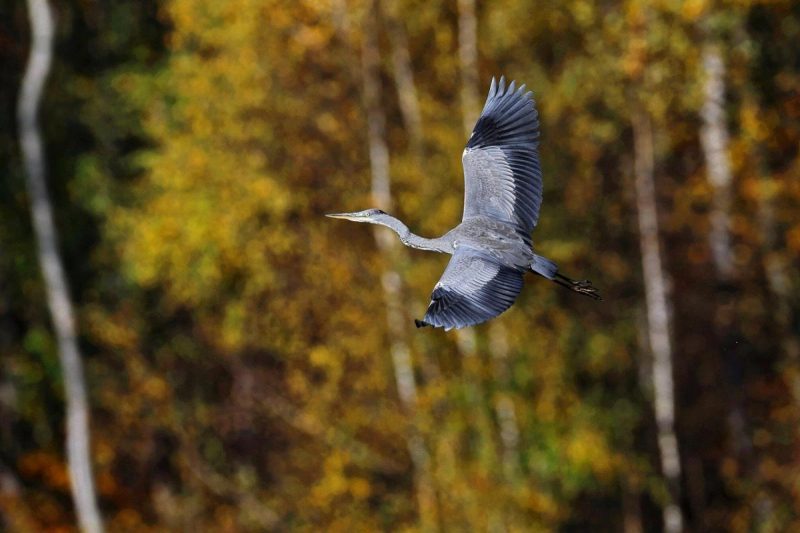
<point x="508" y="247"/>
<point x="491" y="247"/>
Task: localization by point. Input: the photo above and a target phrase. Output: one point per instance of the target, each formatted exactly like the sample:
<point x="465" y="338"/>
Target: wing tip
<point x="421" y="323"/>
<point x="500" y="90"/>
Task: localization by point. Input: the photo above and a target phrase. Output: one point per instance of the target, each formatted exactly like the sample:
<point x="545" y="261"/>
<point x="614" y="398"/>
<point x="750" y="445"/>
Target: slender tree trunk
<point x="779" y="280"/>
<point x="404" y="79"/>
<point x="498" y="336"/>
<point x="777" y="271"/>
<point x="503" y="404"/>
<point x="382" y="195"/>
<point x="408" y="97"/>
<point x="715" y="139"/>
<point x="776" y="266"/>
<point x="658" y="317"/>
<point x="468" y="59"/>
<point x="631" y="508"/>
<point x="77" y="430"/>
<point x="468" y="66"/>
<point x="15" y="513"/>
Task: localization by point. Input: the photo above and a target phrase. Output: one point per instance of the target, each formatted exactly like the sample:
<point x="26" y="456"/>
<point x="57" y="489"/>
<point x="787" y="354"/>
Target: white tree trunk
<point x="715" y="139"/>
<point x="658" y="317"/>
<point x="77" y="430"/>
<point x="382" y="196"/>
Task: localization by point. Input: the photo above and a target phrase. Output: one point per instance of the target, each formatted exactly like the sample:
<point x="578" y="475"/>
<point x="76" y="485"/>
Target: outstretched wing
<point x="473" y="289"/>
<point x="502" y="174"/>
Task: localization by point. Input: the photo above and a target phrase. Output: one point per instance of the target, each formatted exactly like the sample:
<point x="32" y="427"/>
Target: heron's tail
<point x="544" y="267"/>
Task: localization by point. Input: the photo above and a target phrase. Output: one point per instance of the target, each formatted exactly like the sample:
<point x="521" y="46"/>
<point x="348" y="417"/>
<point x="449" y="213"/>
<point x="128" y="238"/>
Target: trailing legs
<point x="548" y="269"/>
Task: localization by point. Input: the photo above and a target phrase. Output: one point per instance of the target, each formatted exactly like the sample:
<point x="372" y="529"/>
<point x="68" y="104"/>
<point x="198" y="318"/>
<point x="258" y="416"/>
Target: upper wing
<point x="502" y="174"/>
<point x="473" y="289"/>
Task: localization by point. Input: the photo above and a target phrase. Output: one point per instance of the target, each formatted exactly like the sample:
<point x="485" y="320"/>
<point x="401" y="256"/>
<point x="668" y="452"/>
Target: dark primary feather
<point x="473" y="289"/>
<point x="502" y="174"/>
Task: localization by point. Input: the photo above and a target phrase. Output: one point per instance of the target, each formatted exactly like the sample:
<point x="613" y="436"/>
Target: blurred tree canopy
<point x="238" y="352"/>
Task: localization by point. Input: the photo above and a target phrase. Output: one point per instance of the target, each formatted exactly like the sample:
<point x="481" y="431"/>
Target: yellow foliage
<point x="241" y="346"/>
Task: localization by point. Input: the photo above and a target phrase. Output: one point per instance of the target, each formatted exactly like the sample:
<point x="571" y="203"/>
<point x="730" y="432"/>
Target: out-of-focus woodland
<point x="252" y="365"/>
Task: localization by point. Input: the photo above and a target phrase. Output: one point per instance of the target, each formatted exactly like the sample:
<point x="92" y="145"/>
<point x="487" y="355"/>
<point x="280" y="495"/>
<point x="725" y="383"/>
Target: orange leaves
<point x="793" y="239"/>
<point x="47" y="467"/>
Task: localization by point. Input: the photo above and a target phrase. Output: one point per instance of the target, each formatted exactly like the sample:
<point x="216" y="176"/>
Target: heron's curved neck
<point x="415" y="241"/>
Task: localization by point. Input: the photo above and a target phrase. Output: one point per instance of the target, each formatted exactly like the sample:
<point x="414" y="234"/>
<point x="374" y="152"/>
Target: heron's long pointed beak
<point x="346" y="216"/>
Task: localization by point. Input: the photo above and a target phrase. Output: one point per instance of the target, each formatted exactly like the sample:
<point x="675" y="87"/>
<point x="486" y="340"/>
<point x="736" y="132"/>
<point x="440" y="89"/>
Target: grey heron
<point x="492" y="246"/>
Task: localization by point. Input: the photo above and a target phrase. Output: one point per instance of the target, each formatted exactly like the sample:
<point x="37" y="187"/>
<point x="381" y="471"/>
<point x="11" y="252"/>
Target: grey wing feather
<point x="473" y="289"/>
<point x="502" y="173"/>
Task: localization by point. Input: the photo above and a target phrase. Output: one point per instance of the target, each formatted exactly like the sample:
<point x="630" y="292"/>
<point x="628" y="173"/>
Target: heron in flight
<point x="492" y="246"/>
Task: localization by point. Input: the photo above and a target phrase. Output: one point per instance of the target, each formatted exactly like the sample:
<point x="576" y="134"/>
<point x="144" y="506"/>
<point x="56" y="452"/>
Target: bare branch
<point x="381" y="193"/>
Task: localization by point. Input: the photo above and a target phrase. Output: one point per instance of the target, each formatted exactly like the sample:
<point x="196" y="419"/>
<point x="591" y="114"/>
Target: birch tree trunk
<point x="777" y="270"/>
<point x="404" y="78"/>
<point x="468" y="59"/>
<point x="498" y="336"/>
<point x="631" y="508"/>
<point x="468" y="66"/>
<point x="381" y="193"/>
<point x="60" y="305"/>
<point x="408" y="97"/>
<point x="504" y="410"/>
<point x="503" y="404"/>
<point x="715" y="139"/>
<point x="658" y="317"/>
<point x="58" y="299"/>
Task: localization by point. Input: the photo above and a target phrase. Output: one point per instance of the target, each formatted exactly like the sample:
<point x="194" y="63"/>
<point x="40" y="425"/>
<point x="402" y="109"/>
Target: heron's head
<point x="373" y="216"/>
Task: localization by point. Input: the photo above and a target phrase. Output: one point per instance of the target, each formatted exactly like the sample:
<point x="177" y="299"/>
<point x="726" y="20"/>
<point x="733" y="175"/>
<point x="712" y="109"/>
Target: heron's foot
<point x="583" y="286"/>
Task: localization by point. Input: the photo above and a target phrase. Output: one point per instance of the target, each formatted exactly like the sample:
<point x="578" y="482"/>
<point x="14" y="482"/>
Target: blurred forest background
<point x="252" y="365"/>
